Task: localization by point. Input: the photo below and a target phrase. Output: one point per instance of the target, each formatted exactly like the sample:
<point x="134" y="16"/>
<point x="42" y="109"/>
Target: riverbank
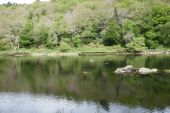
<point x="79" y="52"/>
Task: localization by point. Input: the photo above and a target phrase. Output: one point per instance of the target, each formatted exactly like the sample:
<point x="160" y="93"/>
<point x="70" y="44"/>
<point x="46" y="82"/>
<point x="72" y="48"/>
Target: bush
<point x="26" y="35"/>
<point x="87" y="37"/>
<point x="164" y="34"/>
<point x="64" y="47"/>
<point x="4" y="46"/>
<point x="76" y="41"/>
<point x="51" y="44"/>
<point x="151" y="41"/>
<point x="137" y="45"/>
<point x="40" y="35"/>
<point x="130" y="26"/>
<point x="112" y="34"/>
<point x="152" y="44"/>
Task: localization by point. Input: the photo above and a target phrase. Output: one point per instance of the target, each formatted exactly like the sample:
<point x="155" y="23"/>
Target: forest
<point x="131" y="25"/>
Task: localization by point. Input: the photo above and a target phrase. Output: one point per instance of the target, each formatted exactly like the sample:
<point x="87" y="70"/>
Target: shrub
<point x="40" y="35"/>
<point x="26" y="35"/>
<point x="130" y="26"/>
<point x="4" y="46"/>
<point x="152" y="44"/>
<point x="112" y="34"/>
<point x="137" y="45"/>
<point x="76" y="41"/>
<point x="164" y="34"/>
<point x="87" y="37"/>
<point x="64" y="47"/>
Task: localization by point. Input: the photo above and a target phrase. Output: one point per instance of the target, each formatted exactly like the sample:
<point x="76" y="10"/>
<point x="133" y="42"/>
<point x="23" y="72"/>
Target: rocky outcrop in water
<point x="130" y="70"/>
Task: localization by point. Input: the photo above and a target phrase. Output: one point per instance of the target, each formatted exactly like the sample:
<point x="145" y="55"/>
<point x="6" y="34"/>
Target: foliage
<point x="4" y="46"/>
<point x="40" y="36"/>
<point x="80" y="23"/>
<point x="163" y="32"/>
<point x="64" y="47"/>
<point x="26" y="35"/>
<point x="111" y="35"/>
<point x="76" y="41"/>
<point x="154" y="24"/>
<point x="137" y="45"/>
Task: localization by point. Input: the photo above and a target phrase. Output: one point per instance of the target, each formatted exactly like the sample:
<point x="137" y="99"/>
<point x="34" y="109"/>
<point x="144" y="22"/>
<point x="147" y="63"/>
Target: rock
<point x="167" y="71"/>
<point x="119" y="71"/>
<point x="91" y="60"/>
<point x="154" y="70"/>
<point x="145" y="71"/>
<point x="85" y="72"/>
<point x="130" y="69"/>
<point x="127" y="69"/>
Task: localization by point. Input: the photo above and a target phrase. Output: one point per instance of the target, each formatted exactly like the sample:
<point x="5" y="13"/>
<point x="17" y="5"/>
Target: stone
<point x="167" y="70"/>
<point x="145" y="71"/>
<point x="91" y="60"/>
<point x="127" y="69"/>
<point x="130" y="69"/>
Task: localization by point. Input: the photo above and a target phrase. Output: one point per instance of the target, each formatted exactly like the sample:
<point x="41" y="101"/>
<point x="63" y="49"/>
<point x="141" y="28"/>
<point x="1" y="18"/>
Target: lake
<point x="83" y="84"/>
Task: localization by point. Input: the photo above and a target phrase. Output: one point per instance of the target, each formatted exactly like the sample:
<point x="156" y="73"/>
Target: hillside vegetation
<point x="135" y="25"/>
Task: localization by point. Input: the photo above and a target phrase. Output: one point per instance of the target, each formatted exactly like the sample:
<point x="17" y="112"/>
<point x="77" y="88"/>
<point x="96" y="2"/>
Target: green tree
<point x="112" y="34"/>
<point x="26" y="35"/>
<point x="163" y="32"/>
<point x="154" y="24"/>
<point x="76" y="41"/>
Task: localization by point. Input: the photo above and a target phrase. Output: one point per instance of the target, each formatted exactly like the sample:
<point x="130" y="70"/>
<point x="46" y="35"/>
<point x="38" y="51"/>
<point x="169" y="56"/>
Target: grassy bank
<point x="56" y="51"/>
<point x="83" y="51"/>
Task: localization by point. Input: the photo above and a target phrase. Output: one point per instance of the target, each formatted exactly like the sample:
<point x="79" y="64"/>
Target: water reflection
<point x="83" y="83"/>
<point x="29" y="103"/>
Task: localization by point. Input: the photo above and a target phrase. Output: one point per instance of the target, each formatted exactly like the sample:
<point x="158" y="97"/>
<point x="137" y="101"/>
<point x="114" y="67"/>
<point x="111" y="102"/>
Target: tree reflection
<point x="80" y="79"/>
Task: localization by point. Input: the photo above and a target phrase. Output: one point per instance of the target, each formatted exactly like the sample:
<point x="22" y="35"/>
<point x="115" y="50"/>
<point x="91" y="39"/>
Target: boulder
<point x="145" y="71"/>
<point x="167" y="70"/>
<point x="127" y="69"/>
<point x="119" y="71"/>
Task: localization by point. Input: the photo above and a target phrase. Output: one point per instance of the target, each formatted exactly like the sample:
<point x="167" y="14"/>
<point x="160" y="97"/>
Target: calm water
<point x="83" y="85"/>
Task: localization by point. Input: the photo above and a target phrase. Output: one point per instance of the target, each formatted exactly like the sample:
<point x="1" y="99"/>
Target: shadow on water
<point x="89" y="79"/>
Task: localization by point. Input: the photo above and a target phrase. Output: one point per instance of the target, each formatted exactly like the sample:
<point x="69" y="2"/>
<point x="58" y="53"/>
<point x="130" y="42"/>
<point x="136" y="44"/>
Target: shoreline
<point x="80" y="53"/>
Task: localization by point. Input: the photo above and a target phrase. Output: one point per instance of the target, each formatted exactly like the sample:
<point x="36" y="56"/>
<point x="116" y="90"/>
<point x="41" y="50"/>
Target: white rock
<point x="120" y="71"/>
<point x="127" y="69"/>
<point x="154" y="70"/>
<point x="145" y="71"/>
<point x="91" y="60"/>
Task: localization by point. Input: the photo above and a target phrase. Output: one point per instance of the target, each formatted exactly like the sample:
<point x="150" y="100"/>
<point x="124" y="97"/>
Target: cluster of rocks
<point x="131" y="69"/>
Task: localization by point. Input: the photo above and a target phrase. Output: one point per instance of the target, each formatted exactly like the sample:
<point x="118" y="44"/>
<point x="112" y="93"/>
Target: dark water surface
<point x="83" y="85"/>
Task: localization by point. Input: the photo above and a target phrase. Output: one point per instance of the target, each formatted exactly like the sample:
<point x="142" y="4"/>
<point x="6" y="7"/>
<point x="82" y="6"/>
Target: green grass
<point x="59" y="50"/>
<point x="106" y="49"/>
